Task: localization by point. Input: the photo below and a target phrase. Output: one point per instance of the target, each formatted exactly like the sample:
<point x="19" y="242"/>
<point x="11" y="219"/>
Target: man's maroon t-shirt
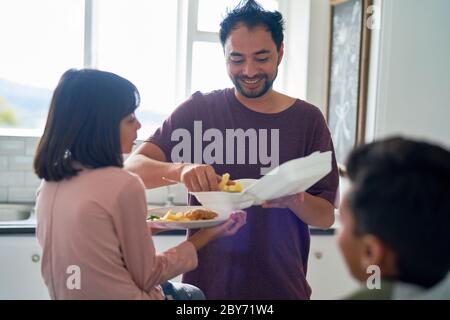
<point x="268" y="257"/>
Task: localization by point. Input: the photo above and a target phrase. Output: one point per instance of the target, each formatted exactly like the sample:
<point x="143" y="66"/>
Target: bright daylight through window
<point x="165" y="56"/>
<point x="39" y="40"/>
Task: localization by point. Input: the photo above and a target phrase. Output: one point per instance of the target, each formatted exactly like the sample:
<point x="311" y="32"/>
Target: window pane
<point x="39" y="40"/>
<point x="211" y="12"/>
<point x="211" y="75"/>
<point x="137" y="40"/>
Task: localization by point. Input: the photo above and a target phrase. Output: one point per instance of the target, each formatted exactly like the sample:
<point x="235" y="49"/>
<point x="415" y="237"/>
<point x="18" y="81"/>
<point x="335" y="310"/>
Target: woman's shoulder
<point x="115" y="172"/>
<point x="113" y="179"/>
<point x="111" y="186"/>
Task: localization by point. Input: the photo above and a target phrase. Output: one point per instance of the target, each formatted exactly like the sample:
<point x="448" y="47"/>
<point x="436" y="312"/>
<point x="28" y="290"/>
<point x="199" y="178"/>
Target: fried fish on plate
<point x="200" y="214"/>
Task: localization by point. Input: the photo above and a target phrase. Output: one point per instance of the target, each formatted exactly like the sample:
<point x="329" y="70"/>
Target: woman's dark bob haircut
<point x="83" y="123"/>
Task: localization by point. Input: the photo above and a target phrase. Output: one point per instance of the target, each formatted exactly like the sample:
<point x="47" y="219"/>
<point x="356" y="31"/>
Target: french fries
<point x="236" y="187"/>
<point x="171" y="216"/>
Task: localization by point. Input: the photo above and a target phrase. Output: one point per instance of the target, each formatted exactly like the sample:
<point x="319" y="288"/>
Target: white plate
<point x="289" y="178"/>
<point x="177" y="225"/>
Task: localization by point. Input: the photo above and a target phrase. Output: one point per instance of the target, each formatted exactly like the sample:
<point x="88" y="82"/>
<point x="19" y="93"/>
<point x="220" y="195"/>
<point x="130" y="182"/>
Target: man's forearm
<point x="314" y="211"/>
<point x="151" y="171"/>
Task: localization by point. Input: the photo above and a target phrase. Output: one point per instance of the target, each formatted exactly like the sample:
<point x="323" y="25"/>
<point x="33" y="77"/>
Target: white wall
<point x="409" y="82"/>
<point x="414" y="70"/>
<point x="17" y="180"/>
<point x="318" y="53"/>
<point x="296" y="14"/>
<point x="18" y="183"/>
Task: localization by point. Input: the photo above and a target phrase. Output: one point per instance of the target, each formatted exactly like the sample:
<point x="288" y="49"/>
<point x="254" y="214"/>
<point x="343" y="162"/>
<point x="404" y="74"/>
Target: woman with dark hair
<point x="91" y="212"/>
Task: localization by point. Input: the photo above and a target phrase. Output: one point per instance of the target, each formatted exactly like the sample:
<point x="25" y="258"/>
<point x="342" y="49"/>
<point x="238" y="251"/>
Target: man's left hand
<point x="289" y="202"/>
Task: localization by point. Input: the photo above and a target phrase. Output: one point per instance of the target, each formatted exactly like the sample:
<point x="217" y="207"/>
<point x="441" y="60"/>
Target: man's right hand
<point x="199" y="178"/>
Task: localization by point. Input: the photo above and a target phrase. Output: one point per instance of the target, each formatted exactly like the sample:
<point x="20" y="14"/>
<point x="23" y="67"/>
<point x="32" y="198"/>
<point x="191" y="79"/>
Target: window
<point x="138" y="40"/>
<point x="215" y="76"/>
<point x="161" y="47"/>
<point x="211" y="13"/>
<point x="39" y="40"/>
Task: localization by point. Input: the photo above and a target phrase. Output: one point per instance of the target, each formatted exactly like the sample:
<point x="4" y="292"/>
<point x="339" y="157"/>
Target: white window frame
<point x="194" y="35"/>
<point x="187" y="35"/>
<point x="90" y="34"/>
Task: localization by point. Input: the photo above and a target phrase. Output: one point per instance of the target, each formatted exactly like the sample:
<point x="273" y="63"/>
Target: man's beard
<point x="253" y="93"/>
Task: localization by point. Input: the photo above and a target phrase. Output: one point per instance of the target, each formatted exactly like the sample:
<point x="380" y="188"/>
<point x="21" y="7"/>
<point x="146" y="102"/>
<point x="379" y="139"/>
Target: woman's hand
<point x="154" y="230"/>
<point x="235" y="221"/>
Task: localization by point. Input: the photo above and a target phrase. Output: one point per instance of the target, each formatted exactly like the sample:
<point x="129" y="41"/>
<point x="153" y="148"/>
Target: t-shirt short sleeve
<point x="182" y="118"/>
<point x="328" y="187"/>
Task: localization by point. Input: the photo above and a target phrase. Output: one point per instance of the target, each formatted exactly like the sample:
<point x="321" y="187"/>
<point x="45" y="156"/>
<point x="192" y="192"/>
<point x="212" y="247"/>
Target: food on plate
<point x="200" y="214"/>
<point x="223" y="184"/>
<point x="190" y="215"/>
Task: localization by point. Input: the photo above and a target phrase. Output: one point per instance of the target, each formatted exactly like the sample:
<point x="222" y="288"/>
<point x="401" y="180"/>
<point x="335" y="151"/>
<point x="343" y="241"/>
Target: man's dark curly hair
<point x="252" y="14"/>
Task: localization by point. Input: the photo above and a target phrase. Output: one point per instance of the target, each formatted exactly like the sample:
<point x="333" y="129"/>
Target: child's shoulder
<point x="383" y="293"/>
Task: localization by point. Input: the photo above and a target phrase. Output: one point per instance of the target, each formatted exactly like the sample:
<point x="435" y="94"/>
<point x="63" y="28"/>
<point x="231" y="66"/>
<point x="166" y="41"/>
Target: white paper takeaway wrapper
<point x="292" y="177"/>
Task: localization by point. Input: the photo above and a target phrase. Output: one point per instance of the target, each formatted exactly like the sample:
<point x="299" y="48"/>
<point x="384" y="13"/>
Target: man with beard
<point x="268" y="258"/>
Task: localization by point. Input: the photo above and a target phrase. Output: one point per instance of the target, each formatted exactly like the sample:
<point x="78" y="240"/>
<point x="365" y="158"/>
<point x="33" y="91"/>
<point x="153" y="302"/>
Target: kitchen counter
<point x="31" y="229"/>
<point x="17" y="218"/>
<point x="28" y="226"/>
